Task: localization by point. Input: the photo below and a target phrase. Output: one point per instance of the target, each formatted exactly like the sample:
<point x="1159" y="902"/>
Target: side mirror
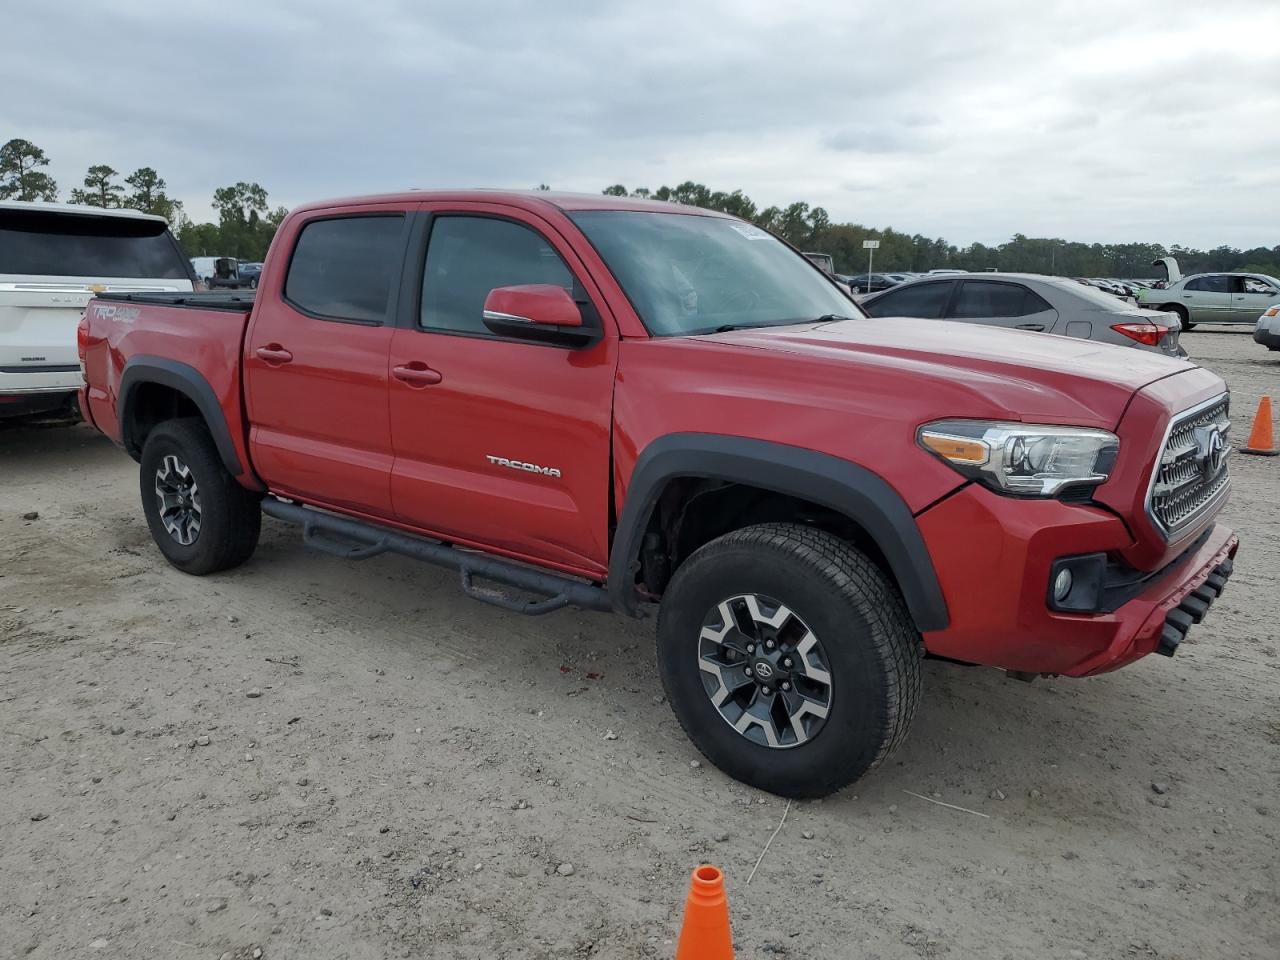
<point x="539" y="312"/>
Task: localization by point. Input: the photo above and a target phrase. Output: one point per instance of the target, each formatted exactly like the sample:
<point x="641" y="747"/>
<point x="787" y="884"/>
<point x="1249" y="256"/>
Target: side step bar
<point x="357" y="540"/>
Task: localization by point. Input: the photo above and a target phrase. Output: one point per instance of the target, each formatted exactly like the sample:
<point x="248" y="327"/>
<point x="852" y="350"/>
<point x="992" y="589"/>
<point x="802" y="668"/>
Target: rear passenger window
<point x="925" y="300"/>
<point x="980" y="299"/>
<point x="343" y="269"/>
<point x="1211" y="284"/>
<point x="469" y="256"/>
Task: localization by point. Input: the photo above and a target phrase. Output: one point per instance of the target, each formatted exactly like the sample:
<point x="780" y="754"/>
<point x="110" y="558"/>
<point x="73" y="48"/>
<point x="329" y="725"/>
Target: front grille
<point x="1186" y="481"/>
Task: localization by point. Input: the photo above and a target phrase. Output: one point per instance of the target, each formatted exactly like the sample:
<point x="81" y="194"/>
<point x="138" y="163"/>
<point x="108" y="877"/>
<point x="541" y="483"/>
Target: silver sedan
<point x="1029" y="301"/>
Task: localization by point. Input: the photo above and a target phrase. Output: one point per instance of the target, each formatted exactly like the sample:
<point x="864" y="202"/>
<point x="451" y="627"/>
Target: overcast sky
<point x="968" y="119"/>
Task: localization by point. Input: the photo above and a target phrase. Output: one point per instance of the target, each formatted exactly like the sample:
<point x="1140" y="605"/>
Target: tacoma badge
<point x="521" y="465"/>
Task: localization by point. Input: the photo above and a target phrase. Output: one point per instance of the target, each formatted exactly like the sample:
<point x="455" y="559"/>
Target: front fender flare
<point x="849" y="489"/>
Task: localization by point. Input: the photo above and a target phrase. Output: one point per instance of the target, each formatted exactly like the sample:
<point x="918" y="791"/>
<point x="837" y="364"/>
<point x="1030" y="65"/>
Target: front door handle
<point x="274" y="354"/>
<point x="416" y="374"/>
<point x="1031" y="326"/>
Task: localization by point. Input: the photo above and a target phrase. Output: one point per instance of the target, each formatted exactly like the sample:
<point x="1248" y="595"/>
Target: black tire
<point x="869" y="645"/>
<point x="229" y="516"/>
<point x="1182" y="315"/>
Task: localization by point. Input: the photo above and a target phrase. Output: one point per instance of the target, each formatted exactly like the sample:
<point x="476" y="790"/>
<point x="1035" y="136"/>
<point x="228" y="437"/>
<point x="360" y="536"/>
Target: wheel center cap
<point x="764" y="670"/>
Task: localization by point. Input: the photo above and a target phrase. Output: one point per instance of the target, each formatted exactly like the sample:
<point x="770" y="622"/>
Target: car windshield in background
<point x="689" y="274"/>
<point x="34" y="243"/>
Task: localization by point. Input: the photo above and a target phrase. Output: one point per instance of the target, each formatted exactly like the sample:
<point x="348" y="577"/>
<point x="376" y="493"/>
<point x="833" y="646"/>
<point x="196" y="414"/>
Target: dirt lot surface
<point x="318" y="759"/>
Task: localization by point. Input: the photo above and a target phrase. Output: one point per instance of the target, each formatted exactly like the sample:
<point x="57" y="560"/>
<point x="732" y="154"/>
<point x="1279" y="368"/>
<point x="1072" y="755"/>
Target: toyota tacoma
<point x="617" y="404"/>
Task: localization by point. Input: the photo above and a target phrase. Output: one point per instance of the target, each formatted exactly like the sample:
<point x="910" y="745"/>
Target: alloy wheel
<point x="765" y="671"/>
<point x="179" y="498"/>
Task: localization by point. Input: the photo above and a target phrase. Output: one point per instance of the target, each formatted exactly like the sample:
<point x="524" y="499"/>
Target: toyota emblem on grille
<point x="1211" y="449"/>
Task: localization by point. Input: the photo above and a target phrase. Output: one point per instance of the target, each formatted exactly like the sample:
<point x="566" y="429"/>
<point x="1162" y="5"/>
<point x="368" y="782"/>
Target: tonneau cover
<point x="240" y="300"/>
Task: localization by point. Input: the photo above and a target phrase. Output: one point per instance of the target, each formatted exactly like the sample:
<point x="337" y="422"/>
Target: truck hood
<point x="1011" y="374"/>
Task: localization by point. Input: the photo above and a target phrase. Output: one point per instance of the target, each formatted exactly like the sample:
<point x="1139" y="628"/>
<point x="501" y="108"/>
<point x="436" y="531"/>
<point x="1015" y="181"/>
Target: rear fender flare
<point x="186" y="380"/>
<point x="847" y="488"/>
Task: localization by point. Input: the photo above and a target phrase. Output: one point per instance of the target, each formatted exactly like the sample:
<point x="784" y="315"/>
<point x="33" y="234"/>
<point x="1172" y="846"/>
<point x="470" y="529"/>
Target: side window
<point x="924" y="300"/>
<point x="980" y="299"/>
<point x="1213" y="283"/>
<point x="1251" y="285"/>
<point x="469" y="256"/>
<point x="343" y="268"/>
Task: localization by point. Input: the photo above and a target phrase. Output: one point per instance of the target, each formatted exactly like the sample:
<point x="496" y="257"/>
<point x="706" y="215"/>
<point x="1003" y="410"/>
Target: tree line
<point x="811" y="229"/>
<point x="247" y="222"/>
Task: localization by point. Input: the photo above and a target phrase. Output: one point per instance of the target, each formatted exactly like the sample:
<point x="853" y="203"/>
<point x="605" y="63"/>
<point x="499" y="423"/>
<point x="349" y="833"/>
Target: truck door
<point x="315" y="358"/>
<point x="500" y="442"/>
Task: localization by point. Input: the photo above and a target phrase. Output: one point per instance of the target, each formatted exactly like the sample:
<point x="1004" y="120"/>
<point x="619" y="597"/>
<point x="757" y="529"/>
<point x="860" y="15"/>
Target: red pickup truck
<point x="610" y="403"/>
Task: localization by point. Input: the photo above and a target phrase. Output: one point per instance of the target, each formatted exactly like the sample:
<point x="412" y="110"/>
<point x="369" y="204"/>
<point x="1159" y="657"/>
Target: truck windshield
<point x="687" y="274"/>
<point x="55" y="244"/>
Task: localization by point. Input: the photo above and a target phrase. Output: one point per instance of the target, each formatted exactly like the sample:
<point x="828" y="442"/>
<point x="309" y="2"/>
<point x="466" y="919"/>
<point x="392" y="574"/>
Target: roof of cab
<point x="525" y="199"/>
<point x="78" y="209"/>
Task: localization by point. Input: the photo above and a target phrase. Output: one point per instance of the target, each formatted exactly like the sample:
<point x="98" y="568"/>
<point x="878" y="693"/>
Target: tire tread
<point x="223" y="545"/>
<point x="892" y="636"/>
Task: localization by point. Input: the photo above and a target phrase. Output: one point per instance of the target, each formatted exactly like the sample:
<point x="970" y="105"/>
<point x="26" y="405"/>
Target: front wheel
<point x="202" y="520"/>
<point x="789" y="658"/>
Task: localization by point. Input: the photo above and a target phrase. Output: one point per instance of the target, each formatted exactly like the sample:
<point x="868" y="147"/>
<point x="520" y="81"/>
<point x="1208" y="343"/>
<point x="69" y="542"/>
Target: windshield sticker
<point x="750" y="232"/>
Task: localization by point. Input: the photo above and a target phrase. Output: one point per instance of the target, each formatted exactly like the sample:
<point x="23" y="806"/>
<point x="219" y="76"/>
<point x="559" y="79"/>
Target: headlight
<point x="1023" y="459"/>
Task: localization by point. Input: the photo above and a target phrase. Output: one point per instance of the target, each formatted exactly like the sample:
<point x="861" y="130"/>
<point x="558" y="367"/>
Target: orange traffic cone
<point x="705" y="934"/>
<point x="1261" y="439"/>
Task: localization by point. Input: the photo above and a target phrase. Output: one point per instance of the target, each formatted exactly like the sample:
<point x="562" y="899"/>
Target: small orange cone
<point x="705" y="934"/>
<point x="1261" y="439"/>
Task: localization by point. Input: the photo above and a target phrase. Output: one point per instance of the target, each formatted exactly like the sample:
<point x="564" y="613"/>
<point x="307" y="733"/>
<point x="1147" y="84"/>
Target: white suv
<point x="53" y="258"/>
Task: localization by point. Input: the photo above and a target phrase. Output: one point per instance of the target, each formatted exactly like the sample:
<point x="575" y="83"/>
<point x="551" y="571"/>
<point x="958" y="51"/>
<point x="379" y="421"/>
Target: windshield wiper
<point x="825" y="318"/>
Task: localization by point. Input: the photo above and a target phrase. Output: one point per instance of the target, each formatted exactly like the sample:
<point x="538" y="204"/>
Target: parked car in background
<point x="1267" y="329"/>
<point x="1109" y="286"/>
<point x="203" y="267"/>
<point x="823" y="262"/>
<point x="871" y="282"/>
<point x="1215" y="298"/>
<point x="249" y="274"/>
<point x="53" y="259"/>
<point x="220" y="273"/>
<point x="1032" y="302"/>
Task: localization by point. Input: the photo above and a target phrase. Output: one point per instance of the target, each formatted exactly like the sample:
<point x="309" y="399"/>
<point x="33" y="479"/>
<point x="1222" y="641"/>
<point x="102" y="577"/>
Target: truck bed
<point x="238" y="300"/>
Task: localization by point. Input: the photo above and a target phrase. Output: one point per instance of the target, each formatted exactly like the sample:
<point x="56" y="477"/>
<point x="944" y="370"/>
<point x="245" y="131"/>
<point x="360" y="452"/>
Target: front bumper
<point x="994" y="555"/>
<point x="1268" y="338"/>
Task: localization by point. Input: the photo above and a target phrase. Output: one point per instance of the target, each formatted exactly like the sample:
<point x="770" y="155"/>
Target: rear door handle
<point x="274" y="354"/>
<point x="416" y="374"/>
<point x="1031" y="326"/>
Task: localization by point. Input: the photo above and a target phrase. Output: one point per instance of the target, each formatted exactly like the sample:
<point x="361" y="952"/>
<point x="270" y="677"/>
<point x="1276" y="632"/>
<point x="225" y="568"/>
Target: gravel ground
<point x="308" y="758"/>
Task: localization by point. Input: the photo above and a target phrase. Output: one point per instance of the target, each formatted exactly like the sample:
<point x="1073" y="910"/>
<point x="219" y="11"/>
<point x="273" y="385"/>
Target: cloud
<point x="971" y="121"/>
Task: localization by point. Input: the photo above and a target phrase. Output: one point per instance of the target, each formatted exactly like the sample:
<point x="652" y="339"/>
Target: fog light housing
<point x="1076" y="583"/>
<point x="1062" y="584"/>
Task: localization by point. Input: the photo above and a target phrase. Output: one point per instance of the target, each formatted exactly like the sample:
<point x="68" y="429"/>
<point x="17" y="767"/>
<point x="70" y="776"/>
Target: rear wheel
<point x="1183" y="317"/>
<point x="789" y="658"/>
<point x="202" y="520"/>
